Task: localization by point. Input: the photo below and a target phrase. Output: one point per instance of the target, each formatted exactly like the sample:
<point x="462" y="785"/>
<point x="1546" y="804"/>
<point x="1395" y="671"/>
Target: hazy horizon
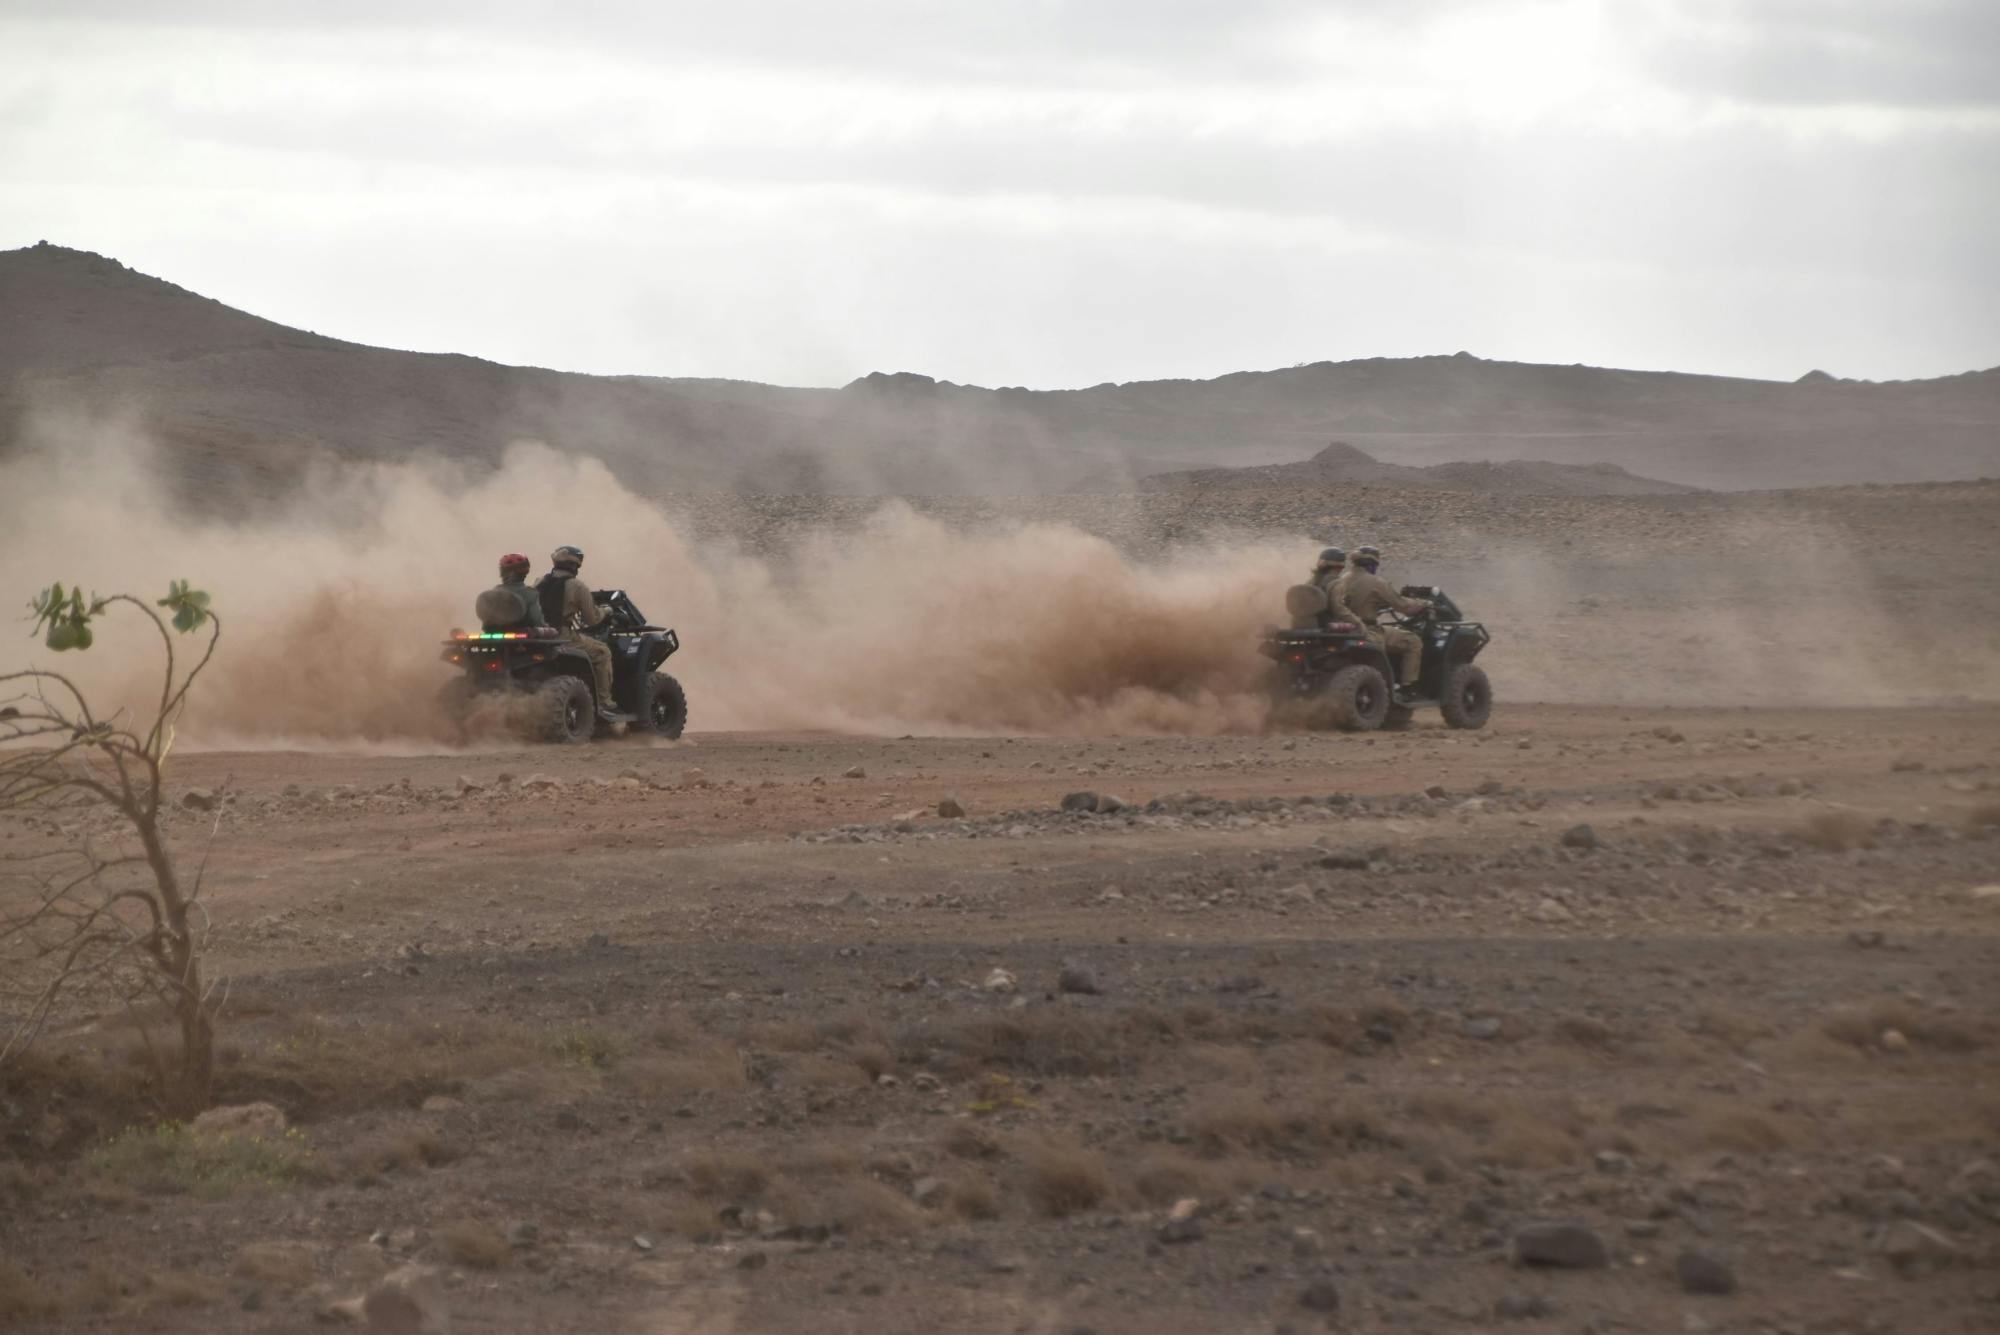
<point x="1055" y="196"/>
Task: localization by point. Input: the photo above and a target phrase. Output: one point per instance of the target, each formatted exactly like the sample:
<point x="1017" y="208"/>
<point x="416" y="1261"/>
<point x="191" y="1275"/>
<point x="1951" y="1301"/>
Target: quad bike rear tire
<point x="1357" y="698"/>
<point x="568" y="711"/>
<point x="663" y="708"/>
<point x="1467" y="701"/>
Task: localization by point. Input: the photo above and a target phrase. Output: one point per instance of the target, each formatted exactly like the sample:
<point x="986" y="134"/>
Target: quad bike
<point x="551" y="679"/>
<point x="1337" y="675"/>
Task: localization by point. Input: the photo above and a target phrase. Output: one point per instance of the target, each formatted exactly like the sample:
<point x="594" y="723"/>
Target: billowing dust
<point x="335" y="606"/>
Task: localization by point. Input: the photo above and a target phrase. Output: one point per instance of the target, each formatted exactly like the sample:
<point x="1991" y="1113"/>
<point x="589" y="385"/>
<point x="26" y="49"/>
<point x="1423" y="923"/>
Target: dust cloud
<point x="335" y="605"/>
<point x="336" y="602"/>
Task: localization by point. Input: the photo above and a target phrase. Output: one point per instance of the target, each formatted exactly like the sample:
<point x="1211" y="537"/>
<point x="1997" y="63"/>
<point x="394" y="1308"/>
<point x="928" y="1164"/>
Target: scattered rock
<point x="1436" y="791"/>
<point x="1000" y="980"/>
<point x="1700" y="1272"/>
<point x="468" y="784"/>
<point x="1562" y="1246"/>
<point x="950" y="808"/>
<point x="927" y="1190"/>
<point x="1177" y="1231"/>
<point x="1551" y="911"/>
<point x="1320" y="1296"/>
<point x="1892" y="1040"/>
<point x="854" y="772"/>
<point x="541" y="783"/>
<point x="1580" y="836"/>
<point x="1079" y="978"/>
<point x="1481" y="1027"/>
<point x="1187" y="1207"/>
<point x="1079" y="801"/>
<point x="198" y="799"/>
<point x="1983" y="892"/>
<point x="255" y="1120"/>
<point x="1915" y="1248"/>
<point x="408" y="1300"/>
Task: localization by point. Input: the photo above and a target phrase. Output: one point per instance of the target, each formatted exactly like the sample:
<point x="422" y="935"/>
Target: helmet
<point x="570" y="556"/>
<point x="1368" y="554"/>
<point x="1333" y="556"/>
<point x="513" y="563"/>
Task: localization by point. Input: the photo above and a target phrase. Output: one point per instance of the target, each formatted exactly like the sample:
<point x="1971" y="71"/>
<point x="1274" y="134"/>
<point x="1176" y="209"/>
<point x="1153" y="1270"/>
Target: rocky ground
<point x="1599" y="1020"/>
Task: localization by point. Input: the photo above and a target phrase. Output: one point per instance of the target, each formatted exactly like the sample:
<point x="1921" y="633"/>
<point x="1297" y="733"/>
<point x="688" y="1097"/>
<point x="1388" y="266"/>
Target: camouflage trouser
<point x="1405" y="650"/>
<point x="600" y="666"/>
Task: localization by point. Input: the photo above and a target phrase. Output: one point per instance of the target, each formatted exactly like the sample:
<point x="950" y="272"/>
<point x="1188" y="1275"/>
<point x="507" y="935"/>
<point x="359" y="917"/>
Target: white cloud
<point x="1054" y="193"/>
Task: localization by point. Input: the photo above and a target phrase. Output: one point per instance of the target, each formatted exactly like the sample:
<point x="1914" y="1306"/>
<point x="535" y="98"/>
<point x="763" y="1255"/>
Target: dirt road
<point x="741" y="1034"/>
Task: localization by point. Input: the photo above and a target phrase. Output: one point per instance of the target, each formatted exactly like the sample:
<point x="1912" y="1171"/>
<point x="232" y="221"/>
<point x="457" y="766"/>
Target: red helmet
<point x="511" y="562"/>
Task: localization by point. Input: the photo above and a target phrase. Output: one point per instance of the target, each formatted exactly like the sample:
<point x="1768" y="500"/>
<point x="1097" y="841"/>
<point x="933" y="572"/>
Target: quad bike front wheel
<point x="1467" y="701"/>
<point x="567" y="711"/>
<point x="1358" y="699"/>
<point x="664" y="708"/>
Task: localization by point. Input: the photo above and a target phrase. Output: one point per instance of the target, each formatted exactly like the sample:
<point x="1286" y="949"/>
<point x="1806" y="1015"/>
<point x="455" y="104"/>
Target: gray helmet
<point x="1368" y="554"/>
<point x="1332" y="556"/>
<point x="571" y="556"/>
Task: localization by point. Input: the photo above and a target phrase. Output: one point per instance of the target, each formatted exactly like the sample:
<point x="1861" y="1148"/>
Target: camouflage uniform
<point x="509" y="605"/>
<point x="579" y="609"/>
<point x="1360" y="596"/>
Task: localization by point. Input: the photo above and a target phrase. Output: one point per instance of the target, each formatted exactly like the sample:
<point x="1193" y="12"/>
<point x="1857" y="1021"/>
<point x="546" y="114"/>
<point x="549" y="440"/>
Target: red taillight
<point x="1295" y="658"/>
<point x="493" y="666"/>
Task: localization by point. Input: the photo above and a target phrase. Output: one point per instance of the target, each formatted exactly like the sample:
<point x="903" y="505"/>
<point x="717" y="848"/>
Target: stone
<point x="1892" y="1040"/>
<point x="1551" y="911"/>
<point x="1080" y="801"/>
<point x="1185" y="1208"/>
<point x="1179" y="1231"/>
<point x="1580" y="836"/>
<point x="1306" y="1243"/>
<point x="1560" y="1246"/>
<point x="1344" y="862"/>
<point x="1480" y="1027"/>
<point x="854" y="772"/>
<point x="253" y="1120"/>
<point x="1079" y="978"/>
<point x="541" y="783"/>
<point x="198" y="799"/>
<point x="1982" y="893"/>
<point x="928" y="1190"/>
<point x="1320" y="1296"/>
<point x="950" y="808"/>
<point x="1914" y="1248"/>
<point x="1000" y="980"/>
<point x="409" y="1300"/>
<point x="468" y="784"/>
<point x="1700" y="1272"/>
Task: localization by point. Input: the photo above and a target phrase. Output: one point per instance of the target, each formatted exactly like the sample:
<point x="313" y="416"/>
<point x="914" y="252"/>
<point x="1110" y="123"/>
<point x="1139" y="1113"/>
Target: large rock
<point x="1561" y="1246"/>
<point x="254" y="1120"/>
<point x="1699" y="1272"/>
<point x="408" y="1301"/>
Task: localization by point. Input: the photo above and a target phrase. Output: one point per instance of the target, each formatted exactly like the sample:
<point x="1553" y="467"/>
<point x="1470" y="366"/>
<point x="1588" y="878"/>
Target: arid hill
<point x="1342" y="465"/>
<point x="234" y="397"/>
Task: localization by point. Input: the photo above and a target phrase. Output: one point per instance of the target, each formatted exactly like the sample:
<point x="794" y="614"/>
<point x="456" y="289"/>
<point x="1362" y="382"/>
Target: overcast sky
<point x="1034" y="192"/>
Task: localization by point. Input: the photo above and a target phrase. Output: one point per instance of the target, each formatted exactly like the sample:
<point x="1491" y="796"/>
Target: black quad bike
<point x="1337" y="676"/>
<point x="549" y="679"/>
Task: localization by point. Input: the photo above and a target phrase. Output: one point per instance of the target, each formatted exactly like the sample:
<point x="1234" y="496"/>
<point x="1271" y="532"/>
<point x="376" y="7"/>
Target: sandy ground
<point x="739" y="1034"/>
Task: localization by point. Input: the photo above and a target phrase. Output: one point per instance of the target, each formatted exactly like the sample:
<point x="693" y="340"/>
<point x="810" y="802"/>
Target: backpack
<point x="550" y="589"/>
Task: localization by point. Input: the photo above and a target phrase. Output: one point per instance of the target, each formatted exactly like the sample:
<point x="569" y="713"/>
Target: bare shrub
<point x="1741" y="1129"/>
<point x="693" y="1070"/>
<point x="285" y="1265"/>
<point x="474" y="1243"/>
<point x="1733" y="1029"/>
<point x="860" y="1205"/>
<point x="399" y="1149"/>
<point x="1065" y="1178"/>
<point x="164" y="1289"/>
<point x="1163" y="1176"/>
<point x="968" y="1140"/>
<point x="1838" y="830"/>
<point x="725" y="1174"/>
<point x="973" y="1197"/>
<point x="114" y="920"/>
<point x="1046" y="1042"/>
<point x="23" y="1297"/>
<point x="1864" y="1026"/>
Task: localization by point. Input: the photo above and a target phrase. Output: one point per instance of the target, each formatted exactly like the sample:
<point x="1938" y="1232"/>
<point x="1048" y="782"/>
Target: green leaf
<point x="65" y="635"/>
<point x="190" y="606"/>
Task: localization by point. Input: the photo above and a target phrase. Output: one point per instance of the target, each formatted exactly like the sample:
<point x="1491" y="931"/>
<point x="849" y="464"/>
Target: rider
<point x="566" y="601"/>
<point x="1361" y="595"/>
<point x="1311" y="604"/>
<point x="510" y="604"/>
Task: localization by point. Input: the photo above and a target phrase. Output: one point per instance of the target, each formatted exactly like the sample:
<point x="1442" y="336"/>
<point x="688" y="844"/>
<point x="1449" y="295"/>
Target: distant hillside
<point x="1341" y="465"/>
<point x="237" y="398"/>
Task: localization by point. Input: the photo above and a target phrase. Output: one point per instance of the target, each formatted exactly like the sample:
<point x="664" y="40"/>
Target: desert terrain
<point x="984" y="958"/>
<point x="1298" y="1032"/>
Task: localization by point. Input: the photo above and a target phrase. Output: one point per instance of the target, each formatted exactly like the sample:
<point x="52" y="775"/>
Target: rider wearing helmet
<point x="1361" y="595"/>
<point x="510" y="604"/>
<point x="566" y="601"/>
